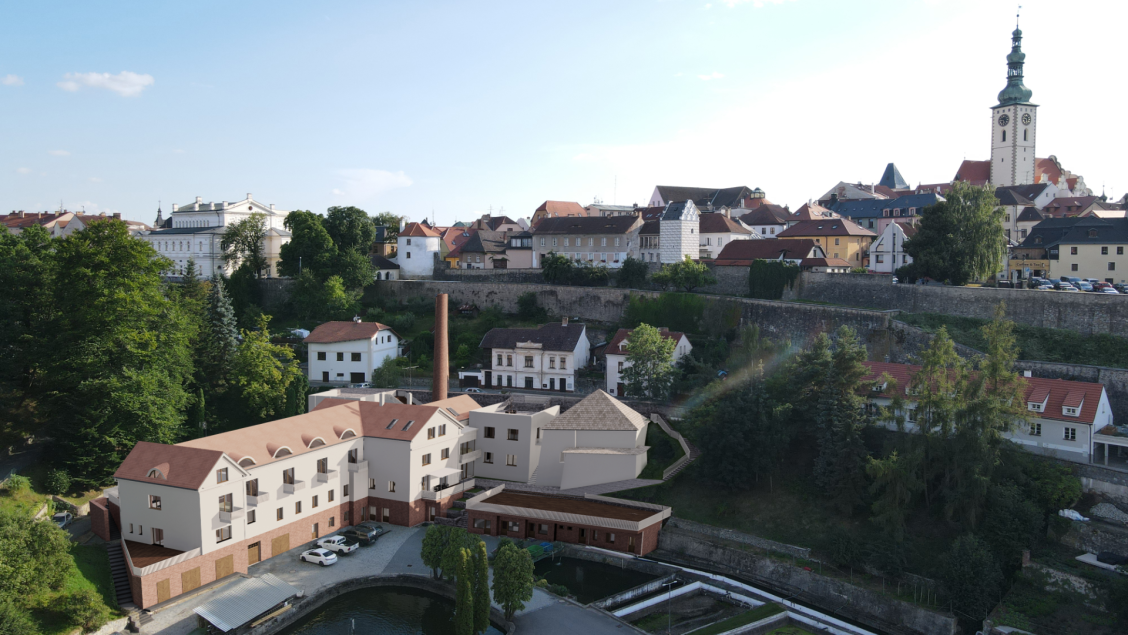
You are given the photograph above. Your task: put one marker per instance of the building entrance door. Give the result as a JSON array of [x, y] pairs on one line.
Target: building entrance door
[[619, 389], [631, 544], [583, 536], [356, 378], [254, 553], [531, 530], [489, 378], [552, 383]]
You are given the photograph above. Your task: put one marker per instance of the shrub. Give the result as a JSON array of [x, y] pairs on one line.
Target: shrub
[[767, 279], [18, 483], [57, 482], [528, 310], [633, 273], [87, 609], [14, 621], [559, 589]]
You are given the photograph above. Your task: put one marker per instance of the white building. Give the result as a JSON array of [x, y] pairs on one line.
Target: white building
[[715, 230], [598, 440], [544, 358], [416, 248], [766, 220], [509, 439], [196, 230], [677, 232], [617, 356], [342, 352], [887, 253]]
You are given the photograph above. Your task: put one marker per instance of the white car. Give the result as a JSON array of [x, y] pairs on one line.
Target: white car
[[338, 544], [1110, 291], [62, 519], [323, 557], [474, 390]]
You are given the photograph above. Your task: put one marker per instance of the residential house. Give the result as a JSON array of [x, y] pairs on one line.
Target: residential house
[[877, 214], [602, 209], [715, 230], [509, 439], [767, 220], [558, 209], [416, 248], [383, 268], [598, 521], [195, 231], [616, 354], [650, 241], [793, 252], [839, 237], [485, 249], [811, 211], [452, 238], [887, 253], [64, 223], [1064, 415], [852, 192], [349, 351], [1075, 206], [519, 250], [708, 199], [544, 358], [497, 224], [825, 265], [591, 240], [1081, 246], [598, 440]]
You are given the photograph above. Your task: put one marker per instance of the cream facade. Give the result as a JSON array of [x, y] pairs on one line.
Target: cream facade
[[509, 439]]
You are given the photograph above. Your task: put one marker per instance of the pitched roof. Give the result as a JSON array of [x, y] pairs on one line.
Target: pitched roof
[[678, 210], [587, 225], [851, 192], [974, 172], [807, 263], [705, 197], [622, 334], [1007, 196], [651, 213], [1030, 191], [458, 406], [485, 241], [743, 252], [381, 263], [909, 229], [553, 336], [598, 411], [651, 228], [15, 221], [892, 179], [766, 214], [717, 223], [182, 466], [875, 208], [1077, 230], [417, 229], [826, 227], [345, 332], [812, 211], [562, 208], [1030, 214]]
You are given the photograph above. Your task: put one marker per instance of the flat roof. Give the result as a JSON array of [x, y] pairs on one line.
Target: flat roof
[[579, 506], [144, 555]]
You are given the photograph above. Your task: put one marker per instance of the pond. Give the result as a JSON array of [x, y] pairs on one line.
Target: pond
[[383, 611], [590, 581]]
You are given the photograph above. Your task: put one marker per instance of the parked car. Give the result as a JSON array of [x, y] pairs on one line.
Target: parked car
[[1073, 280], [1068, 288], [1061, 284], [366, 532], [1100, 284], [1084, 286], [1092, 281], [339, 545], [1046, 286], [62, 519], [361, 385], [1109, 290], [323, 557], [474, 390]]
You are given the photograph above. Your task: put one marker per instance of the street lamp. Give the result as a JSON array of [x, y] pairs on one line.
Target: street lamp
[[669, 605]]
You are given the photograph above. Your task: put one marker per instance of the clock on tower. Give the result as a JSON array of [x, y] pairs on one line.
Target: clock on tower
[[1014, 120]]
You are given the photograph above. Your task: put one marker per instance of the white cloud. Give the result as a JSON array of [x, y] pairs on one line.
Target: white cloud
[[125, 83], [713, 75], [23, 170], [11, 80], [364, 184], [59, 153]]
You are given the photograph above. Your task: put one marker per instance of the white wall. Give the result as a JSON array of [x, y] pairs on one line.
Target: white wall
[[554, 442], [415, 256], [581, 469], [614, 376], [373, 352], [527, 448]]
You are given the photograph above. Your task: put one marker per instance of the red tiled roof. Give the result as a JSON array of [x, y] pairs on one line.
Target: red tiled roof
[[909, 229], [974, 172], [562, 208], [182, 466], [813, 211], [417, 229], [15, 221], [1074, 399], [622, 334], [345, 332], [742, 252], [825, 227], [717, 223]]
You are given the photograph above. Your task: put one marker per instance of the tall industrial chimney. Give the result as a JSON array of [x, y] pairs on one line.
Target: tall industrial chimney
[[442, 365]]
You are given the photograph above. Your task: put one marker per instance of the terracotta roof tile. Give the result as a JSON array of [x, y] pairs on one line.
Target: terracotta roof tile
[[825, 227], [183, 466], [418, 229], [743, 252], [345, 332]]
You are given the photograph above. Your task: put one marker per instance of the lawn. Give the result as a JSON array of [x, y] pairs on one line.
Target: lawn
[[91, 571], [736, 621], [664, 450]]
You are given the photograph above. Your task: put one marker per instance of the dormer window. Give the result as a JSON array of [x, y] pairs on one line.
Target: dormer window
[[154, 473], [879, 387], [1092, 233], [1070, 412]]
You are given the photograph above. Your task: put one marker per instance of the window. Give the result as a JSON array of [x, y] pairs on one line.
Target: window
[[1119, 251], [835, 241], [513, 526], [528, 361], [552, 362], [391, 486], [880, 259], [591, 242], [322, 466], [445, 453], [354, 456], [356, 357], [332, 521], [409, 254], [346, 516], [223, 533], [333, 493], [252, 487], [1072, 412], [426, 459], [616, 241], [371, 483], [340, 357], [1070, 434], [430, 433], [482, 523], [1104, 251], [508, 360], [442, 430], [512, 434], [563, 363], [155, 502], [1112, 266], [1072, 251], [499, 359], [542, 529], [511, 460], [408, 241], [298, 507], [488, 458], [225, 503], [910, 415], [489, 432], [542, 241], [602, 242], [566, 242], [320, 356], [610, 537], [279, 515], [251, 517], [313, 503], [1004, 135], [221, 475], [1073, 267], [620, 367]]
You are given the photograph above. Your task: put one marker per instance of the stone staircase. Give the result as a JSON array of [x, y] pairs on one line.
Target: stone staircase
[[533, 478], [119, 570], [693, 454], [691, 451]]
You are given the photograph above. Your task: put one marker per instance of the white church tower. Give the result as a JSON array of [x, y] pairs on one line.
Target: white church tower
[[677, 232], [1013, 125]]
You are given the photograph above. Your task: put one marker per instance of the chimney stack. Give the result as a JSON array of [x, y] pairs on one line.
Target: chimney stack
[[564, 321], [442, 364]]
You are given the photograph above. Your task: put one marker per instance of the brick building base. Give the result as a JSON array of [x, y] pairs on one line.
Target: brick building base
[[637, 542], [100, 518]]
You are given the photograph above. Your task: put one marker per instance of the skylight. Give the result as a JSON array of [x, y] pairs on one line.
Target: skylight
[[392, 424], [407, 425]]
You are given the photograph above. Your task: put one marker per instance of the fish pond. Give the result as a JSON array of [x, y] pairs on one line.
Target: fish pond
[[589, 581], [383, 611]]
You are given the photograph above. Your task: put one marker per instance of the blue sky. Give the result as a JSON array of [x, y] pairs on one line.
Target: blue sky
[[458, 107]]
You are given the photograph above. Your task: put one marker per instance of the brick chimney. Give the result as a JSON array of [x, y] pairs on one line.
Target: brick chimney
[[442, 363]]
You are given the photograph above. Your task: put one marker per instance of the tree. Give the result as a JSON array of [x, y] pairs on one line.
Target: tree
[[972, 580], [457, 539], [310, 246], [297, 396], [263, 371], [87, 609], [350, 228], [219, 342], [464, 594], [481, 588], [337, 300], [649, 371], [192, 288], [556, 269], [120, 354], [686, 274], [528, 310], [768, 278], [434, 544], [513, 579], [242, 244], [199, 418], [391, 223], [959, 239], [14, 620], [388, 375], [633, 273], [895, 485], [840, 465], [34, 556], [353, 268], [1011, 524]]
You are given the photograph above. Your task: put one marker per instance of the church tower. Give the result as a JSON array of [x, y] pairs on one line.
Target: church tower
[[1013, 125]]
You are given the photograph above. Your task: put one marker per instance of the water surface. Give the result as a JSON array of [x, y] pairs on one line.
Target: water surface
[[590, 581], [383, 611]]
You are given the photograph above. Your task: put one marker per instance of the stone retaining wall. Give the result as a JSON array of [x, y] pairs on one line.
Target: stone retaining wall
[[1095, 537], [740, 537]]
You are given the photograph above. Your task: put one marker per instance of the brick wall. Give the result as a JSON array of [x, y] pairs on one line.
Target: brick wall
[[100, 518], [645, 541]]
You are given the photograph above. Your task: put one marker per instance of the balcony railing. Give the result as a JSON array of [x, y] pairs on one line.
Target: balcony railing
[[236, 512], [325, 477], [259, 499], [450, 490], [290, 488], [472, 455], [358, 466]]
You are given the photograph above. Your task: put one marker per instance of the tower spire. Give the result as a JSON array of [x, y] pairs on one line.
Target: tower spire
[[1015, 92]]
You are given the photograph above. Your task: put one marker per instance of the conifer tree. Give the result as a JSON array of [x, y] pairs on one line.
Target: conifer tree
[[220, 341], [840, 466], [481, 588], [464, 599]]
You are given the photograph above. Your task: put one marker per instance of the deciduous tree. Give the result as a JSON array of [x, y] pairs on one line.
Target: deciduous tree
[[650, 369], [513, 579], [687, 275], [350, 228], [960, 239], [263, 371], [434, 544], [243, 243], [972, 580], [310, 246], [633, 274]]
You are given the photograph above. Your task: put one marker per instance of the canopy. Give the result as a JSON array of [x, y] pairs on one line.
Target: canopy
[[244, 601]]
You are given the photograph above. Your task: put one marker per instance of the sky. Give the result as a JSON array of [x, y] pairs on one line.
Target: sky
[[451, 109]]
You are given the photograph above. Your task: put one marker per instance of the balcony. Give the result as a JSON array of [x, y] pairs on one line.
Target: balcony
[[255, 501], [450, 490], [325, 477], [359, 466], [472, 455], [296, 486], [235, 513]]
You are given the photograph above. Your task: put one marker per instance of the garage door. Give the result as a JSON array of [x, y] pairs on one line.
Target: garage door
[[224, 567], [280, 545], [163, 592], [190, 580], [254, 553]]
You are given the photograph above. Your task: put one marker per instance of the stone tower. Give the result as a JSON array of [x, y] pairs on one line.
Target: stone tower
[[1014, 124]]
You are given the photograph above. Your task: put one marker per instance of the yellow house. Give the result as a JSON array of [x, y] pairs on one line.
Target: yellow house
[[838, 237], [1078, 246]]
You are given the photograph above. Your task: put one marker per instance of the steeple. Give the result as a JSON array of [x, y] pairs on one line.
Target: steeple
[[160, 218], [1015, 92]]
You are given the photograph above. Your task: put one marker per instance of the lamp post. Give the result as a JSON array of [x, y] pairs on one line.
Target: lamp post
[[669, 605]]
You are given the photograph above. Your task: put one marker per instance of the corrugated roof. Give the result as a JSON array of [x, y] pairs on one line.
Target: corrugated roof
[[244, 601]]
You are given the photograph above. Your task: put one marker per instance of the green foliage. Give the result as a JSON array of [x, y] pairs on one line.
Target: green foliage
[[34, 557], [677, 311], [18, 483], [297, 396], [650, 369], [86, 609], [464, 594], [513, 579], [528, 310], [481, 566], [457, 539], [1012, 523], [350, 228], [14, 620], [58, 482], [246, 295], [390, 222], [960, 239], [687, 275], [839, 467], [895, 485], [768, 278], [633, 273], [742, 619], [263, 371], [310, 247], [556, 269], [434, 544], [972, 580], [243, 244], [388, 375]]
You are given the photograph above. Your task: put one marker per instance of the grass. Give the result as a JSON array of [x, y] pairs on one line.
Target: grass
[[91, 571], [1035, 343], [664, 451], [1029, 606], [736, 621]]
